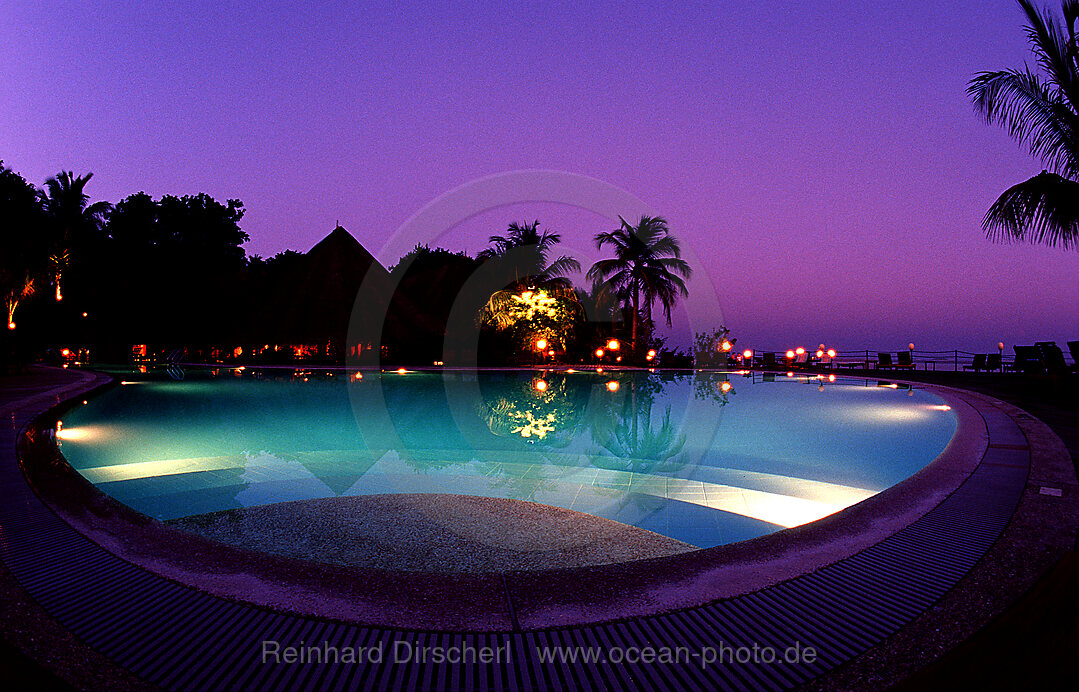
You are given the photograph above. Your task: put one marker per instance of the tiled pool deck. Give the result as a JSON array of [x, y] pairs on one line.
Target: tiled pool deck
[[839, 586]]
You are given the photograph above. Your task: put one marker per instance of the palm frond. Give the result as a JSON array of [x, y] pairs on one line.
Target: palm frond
[[1044, 209], [1053, 49], [616, 238], [605, 268], [562, 266], [496, 311], [1034, 114]]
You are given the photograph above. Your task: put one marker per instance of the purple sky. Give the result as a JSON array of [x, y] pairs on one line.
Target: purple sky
[[821, 158]]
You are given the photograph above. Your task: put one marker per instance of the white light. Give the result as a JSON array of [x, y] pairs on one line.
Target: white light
[[72, 434]]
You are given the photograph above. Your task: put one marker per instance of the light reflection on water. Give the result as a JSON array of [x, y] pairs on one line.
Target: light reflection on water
[[707, 458]]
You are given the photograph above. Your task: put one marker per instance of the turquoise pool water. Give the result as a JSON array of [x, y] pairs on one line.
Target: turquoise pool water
[[707, 458]]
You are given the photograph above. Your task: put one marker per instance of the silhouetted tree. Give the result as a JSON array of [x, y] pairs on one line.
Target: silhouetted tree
[[527, 251], [170, 270], [23, 253], [647, 266], [1041, 112], [538, 300], [72, 220], [428, 287]]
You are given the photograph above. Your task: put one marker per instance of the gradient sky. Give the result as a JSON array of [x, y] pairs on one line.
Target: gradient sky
[[821, 158]]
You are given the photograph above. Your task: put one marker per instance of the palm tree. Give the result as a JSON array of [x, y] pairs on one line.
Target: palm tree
[[527, 250], [14, 287], [537, 291], [647, 265], [1041, 112], [67, 206]]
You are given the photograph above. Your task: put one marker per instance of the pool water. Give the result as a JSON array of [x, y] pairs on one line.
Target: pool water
[[703, 457]]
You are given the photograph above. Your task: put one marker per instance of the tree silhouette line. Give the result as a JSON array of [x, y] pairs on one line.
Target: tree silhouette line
[[171, 273]]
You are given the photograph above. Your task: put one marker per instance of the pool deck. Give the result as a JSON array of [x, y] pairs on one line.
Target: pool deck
[[920, 566]]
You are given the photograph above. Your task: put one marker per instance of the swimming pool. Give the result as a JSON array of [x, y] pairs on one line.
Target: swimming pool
[[703, 457]]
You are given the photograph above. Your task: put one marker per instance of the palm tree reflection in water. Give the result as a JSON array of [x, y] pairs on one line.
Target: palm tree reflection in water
[[545, 419], [642, 450], [635, 443]]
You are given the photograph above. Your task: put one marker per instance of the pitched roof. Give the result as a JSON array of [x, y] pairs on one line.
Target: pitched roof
[[322, 295]]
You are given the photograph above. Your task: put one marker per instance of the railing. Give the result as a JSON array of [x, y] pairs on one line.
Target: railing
[[954, 360]]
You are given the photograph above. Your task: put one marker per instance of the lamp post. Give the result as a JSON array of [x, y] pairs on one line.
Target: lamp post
[[1000, 347]]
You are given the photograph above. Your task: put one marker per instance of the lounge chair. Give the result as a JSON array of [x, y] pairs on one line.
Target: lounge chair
[[980, 363], [1052, 357], [1073, 346], [801, 361], [770, 360], [884, 361], [905, 360], [1028, 360], [992, 362]]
